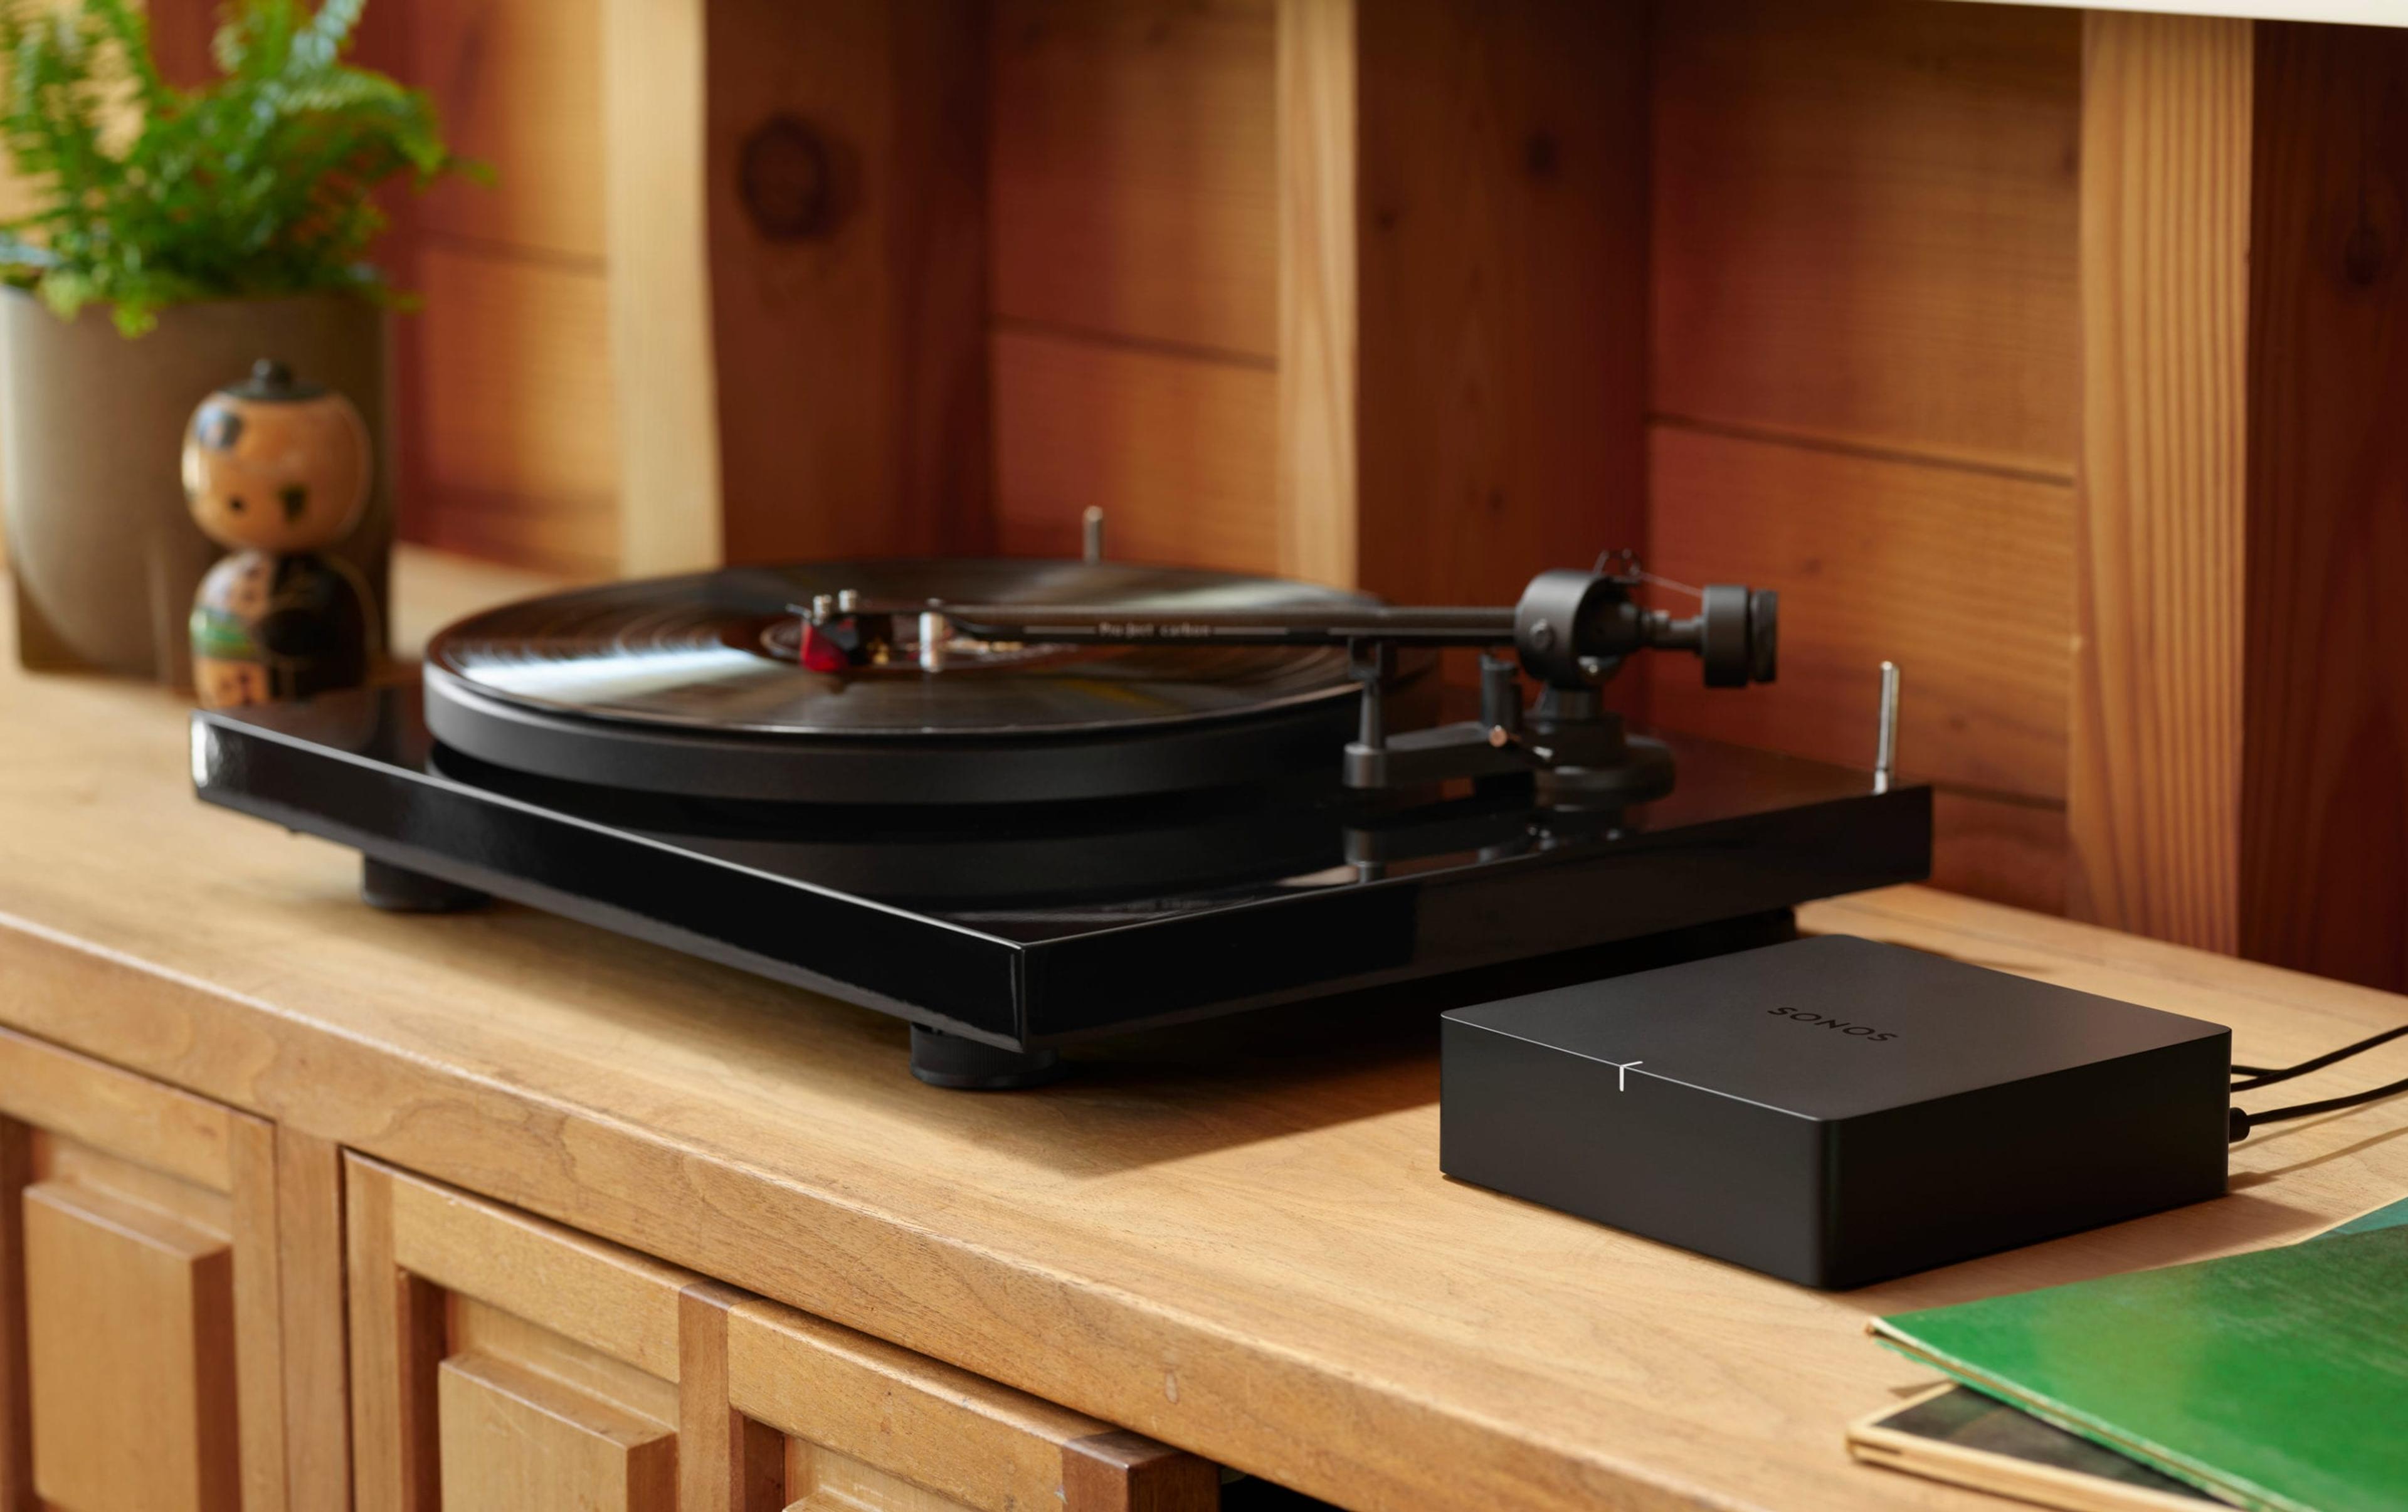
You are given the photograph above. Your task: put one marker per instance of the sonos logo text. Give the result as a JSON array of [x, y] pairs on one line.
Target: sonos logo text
[[1862, 1031]]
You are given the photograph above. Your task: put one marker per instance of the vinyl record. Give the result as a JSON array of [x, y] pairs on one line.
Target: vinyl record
[[717, 651], [692, 685]]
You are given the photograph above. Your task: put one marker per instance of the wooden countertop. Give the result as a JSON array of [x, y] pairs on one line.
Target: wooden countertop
[[1235, 1238]]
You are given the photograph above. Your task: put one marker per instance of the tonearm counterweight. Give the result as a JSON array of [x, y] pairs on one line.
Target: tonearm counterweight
[[1571, 633]]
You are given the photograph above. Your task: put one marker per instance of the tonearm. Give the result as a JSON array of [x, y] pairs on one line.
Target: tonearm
[[1571, 633]]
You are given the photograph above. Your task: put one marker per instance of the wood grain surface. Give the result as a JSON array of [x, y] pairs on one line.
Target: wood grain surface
[[656, 224], [2324, 827], [851, 354], [1320, 295], [1176, 451], [158, 1295], [519, 83], [130, 1337], [512, 421], [505, 444], [601, 1295], [396, 1338], [724, 1459], [2154, 780], [259, 1405], [1133, 283], [1234, 1238], [1962, 578], [316, 1356], [1502, 213], [517, 1441], [970, 1442], [1863, 388], [16, 1389], [565, 1362], [1864, 225], [1130, 164]]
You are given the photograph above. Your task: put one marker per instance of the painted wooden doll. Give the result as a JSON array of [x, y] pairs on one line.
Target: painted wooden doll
[[277, 469]]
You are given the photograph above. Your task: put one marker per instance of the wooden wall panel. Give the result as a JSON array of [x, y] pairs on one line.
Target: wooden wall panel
[[851, 359], [1130, 164], [1318, 101], [511, 428], [521, 86], [503, 405], [656, 217], [2323, 862], [2154, 786], [1962, 578], [1503, 298], [1864, 389], [1177, 452], [1864, 225], [1133, 276], [2008, 848]]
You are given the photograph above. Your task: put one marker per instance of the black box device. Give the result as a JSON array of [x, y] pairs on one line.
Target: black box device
[[1835, 1111]]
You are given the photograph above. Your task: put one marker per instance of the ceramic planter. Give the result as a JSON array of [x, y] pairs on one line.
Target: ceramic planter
[[105, 555]]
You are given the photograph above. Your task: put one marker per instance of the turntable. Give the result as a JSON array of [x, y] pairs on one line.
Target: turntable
[[1022, 804]]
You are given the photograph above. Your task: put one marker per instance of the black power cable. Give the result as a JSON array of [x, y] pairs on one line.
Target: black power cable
[[2268, 1075], [2241, 1121]]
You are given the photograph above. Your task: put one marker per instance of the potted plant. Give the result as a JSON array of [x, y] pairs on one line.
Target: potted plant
[[178, 236]]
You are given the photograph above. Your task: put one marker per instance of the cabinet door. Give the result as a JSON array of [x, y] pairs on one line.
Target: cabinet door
[[140, 1329], [503, 1362], [858, 1423]]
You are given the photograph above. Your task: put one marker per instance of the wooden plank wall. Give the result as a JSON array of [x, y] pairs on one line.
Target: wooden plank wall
[[2154, 768], [1864, 388], [852, 410], [2323, 785], [1133, 286], [1503, 210], [505, 398]]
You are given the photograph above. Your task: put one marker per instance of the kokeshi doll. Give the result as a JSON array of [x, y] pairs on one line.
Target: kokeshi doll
[[277, 469]]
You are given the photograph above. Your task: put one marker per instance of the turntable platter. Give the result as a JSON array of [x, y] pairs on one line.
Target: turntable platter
[[692, 685]]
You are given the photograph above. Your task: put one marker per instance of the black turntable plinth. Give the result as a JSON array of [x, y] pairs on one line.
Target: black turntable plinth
[[1137, 839]]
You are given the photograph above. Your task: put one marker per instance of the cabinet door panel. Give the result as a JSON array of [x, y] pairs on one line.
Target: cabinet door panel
[[502, 1361], [515, 1441], [822, 1480], [610, 1299], [855, 1409], [141, 1320], [131, 1342]]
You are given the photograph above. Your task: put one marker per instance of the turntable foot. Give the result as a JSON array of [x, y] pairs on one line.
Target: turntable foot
[[399, 890], [943, 1059]]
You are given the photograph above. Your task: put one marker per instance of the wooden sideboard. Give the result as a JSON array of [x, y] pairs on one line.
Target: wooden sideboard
[[302, 1198]]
